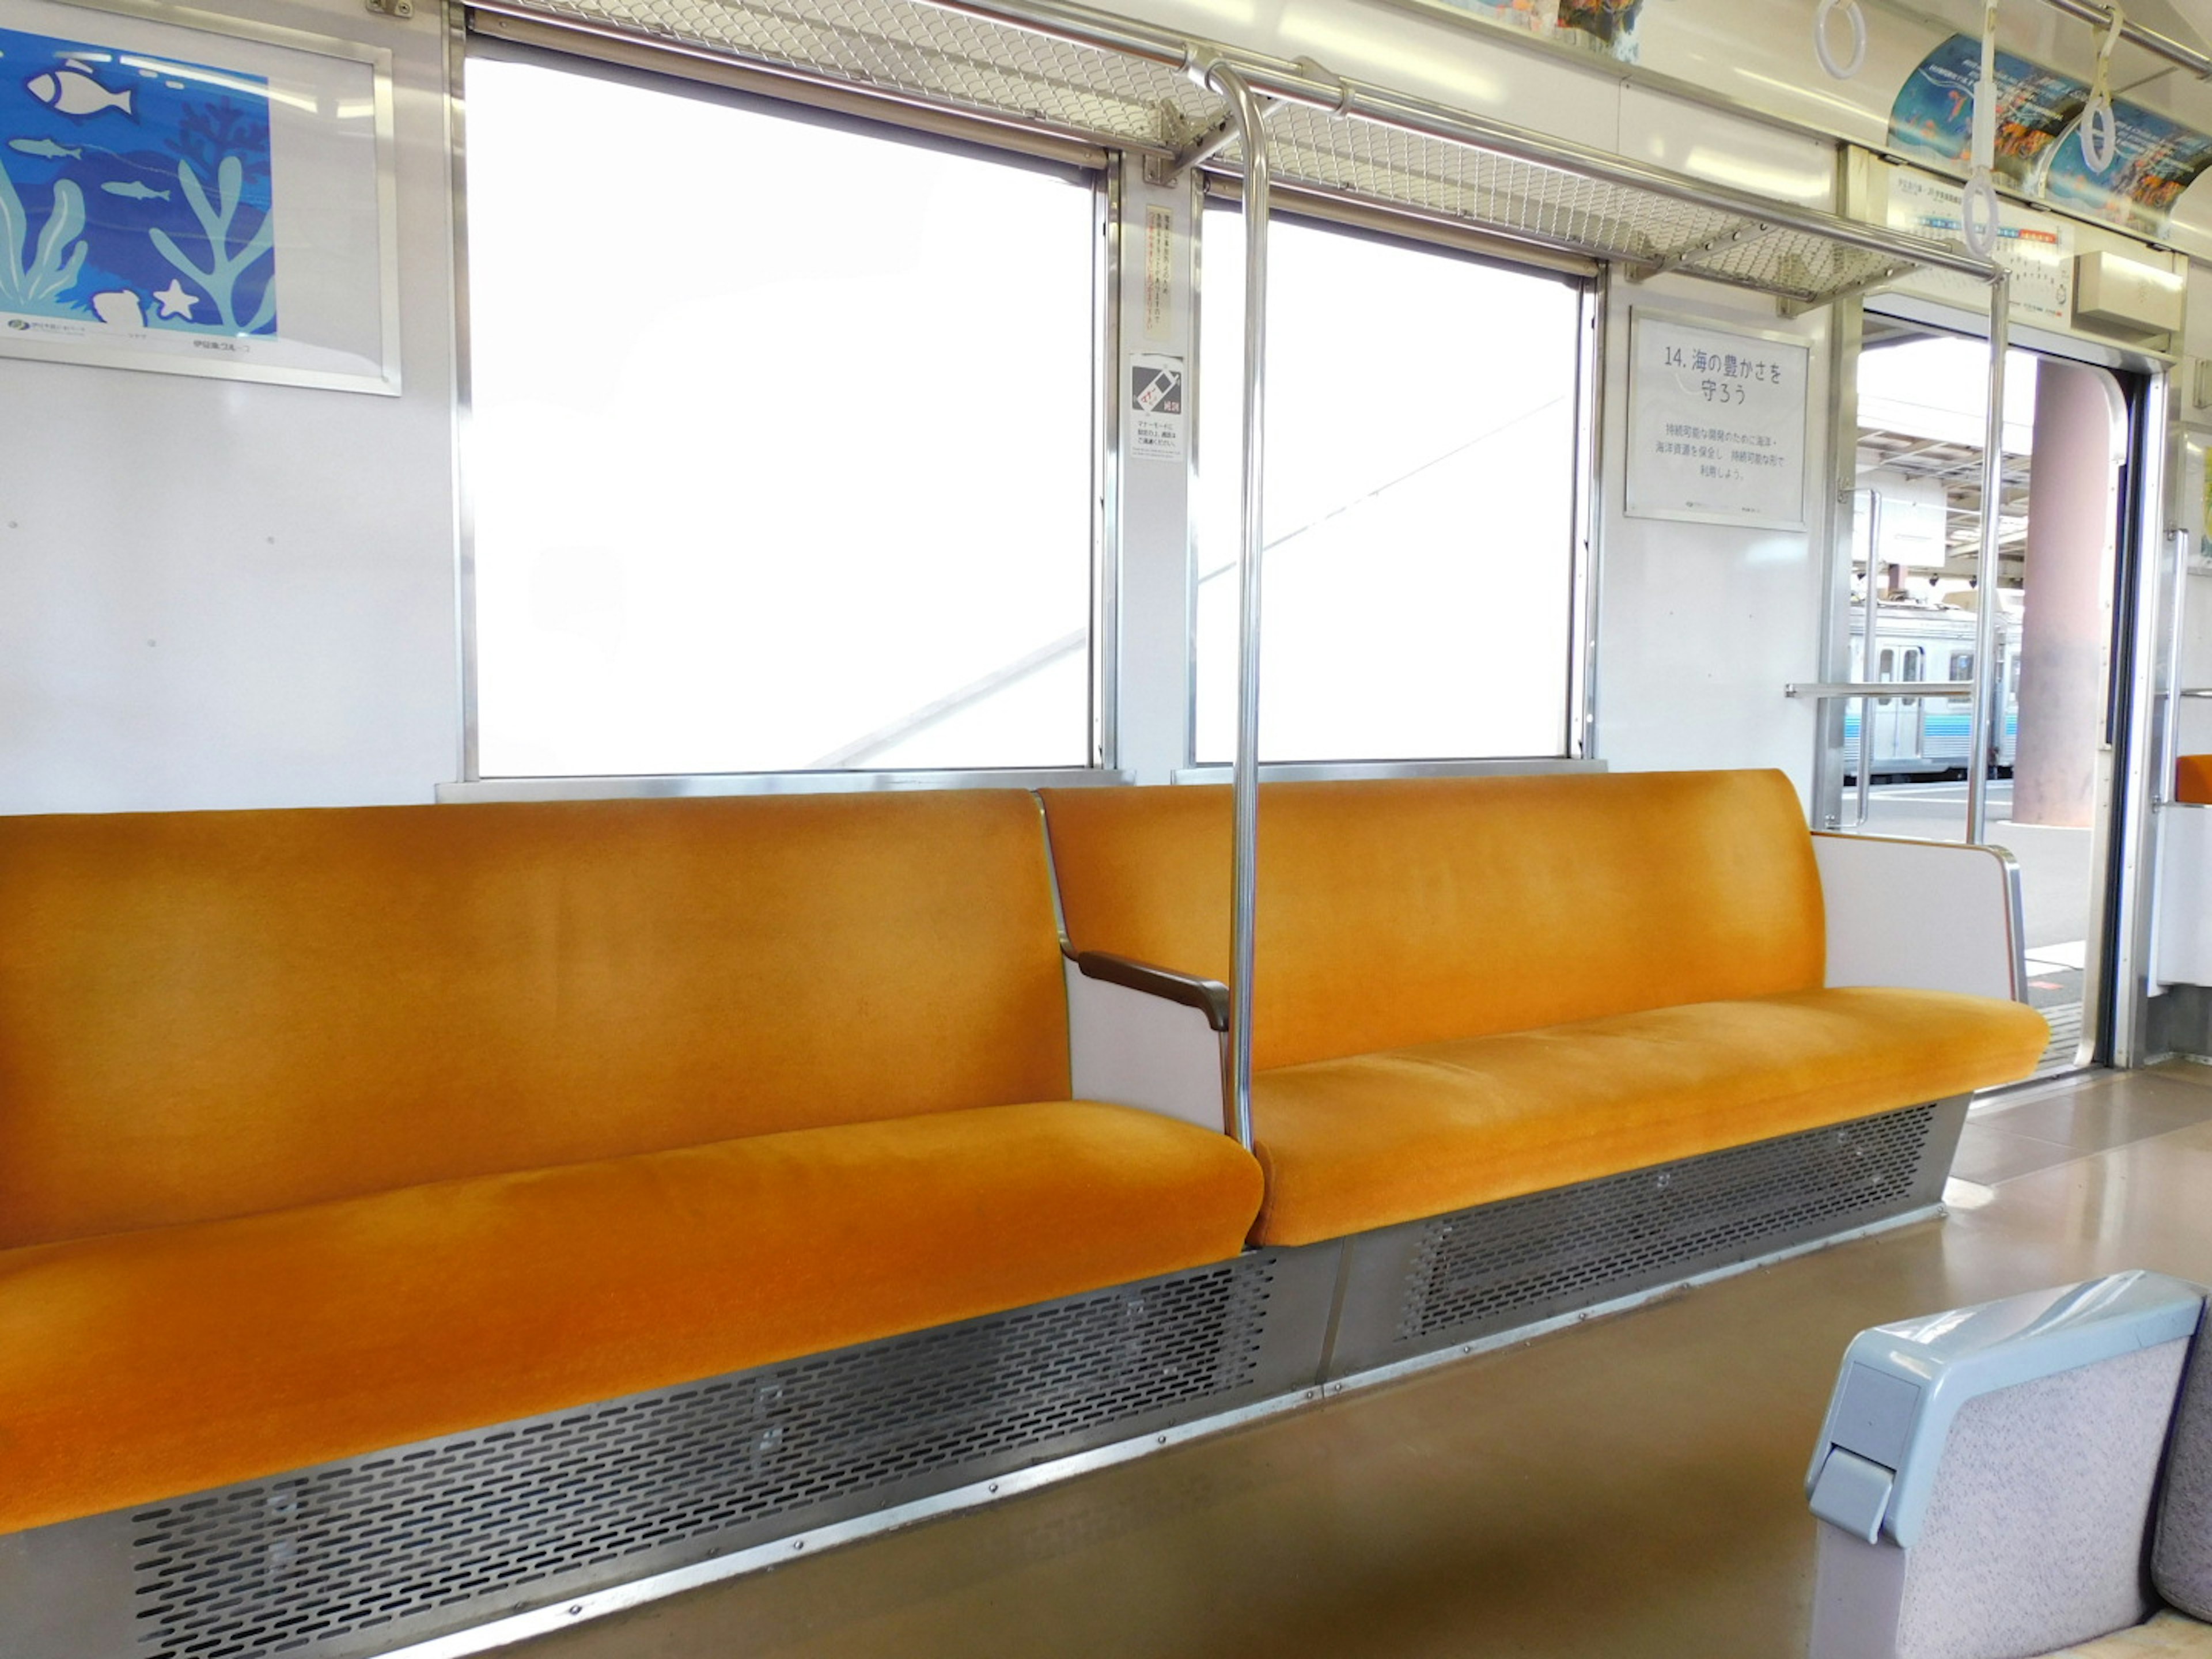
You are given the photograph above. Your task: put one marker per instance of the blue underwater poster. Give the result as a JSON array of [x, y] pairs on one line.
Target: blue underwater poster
[[2039, 145], [135, 191]]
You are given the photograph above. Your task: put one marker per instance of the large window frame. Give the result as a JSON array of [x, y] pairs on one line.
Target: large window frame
[[1119, 216], [1394, 226], [877, 121]]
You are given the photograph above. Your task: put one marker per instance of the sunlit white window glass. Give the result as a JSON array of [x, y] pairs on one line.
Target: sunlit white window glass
[[1421, 455], [781, 433]]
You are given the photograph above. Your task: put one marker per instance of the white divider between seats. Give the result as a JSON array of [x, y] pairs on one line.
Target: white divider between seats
[[2184, 895], [1922, 915], [1131, 1049]]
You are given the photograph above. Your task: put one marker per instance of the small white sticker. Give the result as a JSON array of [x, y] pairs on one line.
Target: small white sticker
[[1159, 273], [1155, 406]]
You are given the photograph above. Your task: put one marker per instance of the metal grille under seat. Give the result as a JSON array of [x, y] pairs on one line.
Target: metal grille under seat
[[372, 1553], [1497, 1266], [369, 1553]]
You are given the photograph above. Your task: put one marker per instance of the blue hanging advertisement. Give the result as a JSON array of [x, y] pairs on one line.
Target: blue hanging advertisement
[[1609, 27], [223, 210], [2039, 141]]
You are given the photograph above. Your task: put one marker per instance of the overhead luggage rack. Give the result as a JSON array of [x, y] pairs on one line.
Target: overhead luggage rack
[[1085, 75]]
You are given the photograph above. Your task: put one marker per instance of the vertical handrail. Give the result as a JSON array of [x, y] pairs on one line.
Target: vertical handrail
[[2169, 736], [1867, 661], [1987, 565], [1248, 119], [2169, 760]]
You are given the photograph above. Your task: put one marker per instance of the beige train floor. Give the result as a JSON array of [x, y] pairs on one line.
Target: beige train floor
[[1630, 1488]]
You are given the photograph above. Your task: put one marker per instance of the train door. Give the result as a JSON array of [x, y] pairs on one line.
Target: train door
[[1897, 722], [2056, 741]]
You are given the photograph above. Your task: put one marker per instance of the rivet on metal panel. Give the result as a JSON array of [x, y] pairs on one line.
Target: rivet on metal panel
[[399, 9]]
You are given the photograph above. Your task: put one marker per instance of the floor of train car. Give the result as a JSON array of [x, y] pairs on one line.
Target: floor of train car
[[1629, 1486]]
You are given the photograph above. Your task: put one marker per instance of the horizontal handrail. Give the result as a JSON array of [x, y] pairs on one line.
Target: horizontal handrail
[[1823, 691]]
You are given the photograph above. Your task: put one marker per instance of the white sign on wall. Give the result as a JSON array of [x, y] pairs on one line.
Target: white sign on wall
[[1716, 422]]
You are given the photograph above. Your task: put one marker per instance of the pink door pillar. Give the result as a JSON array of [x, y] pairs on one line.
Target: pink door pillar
[[2066, 621]]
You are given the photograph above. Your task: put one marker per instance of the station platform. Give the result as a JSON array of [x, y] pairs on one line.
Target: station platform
[[1631, 1485]]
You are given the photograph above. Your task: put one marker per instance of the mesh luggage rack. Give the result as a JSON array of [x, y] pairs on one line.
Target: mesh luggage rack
[[1081, 74]]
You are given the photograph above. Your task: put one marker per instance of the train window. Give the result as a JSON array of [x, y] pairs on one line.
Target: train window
[[1419, 575], [781, 445], [1962, 666]]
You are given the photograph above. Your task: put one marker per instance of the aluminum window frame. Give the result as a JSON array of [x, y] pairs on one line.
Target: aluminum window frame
[[711, 81], [1424, 234]]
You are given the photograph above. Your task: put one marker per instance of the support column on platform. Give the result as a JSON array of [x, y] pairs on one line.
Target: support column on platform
[[2067, 623]]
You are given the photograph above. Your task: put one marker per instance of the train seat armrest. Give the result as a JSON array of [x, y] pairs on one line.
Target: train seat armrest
[[1902, 1386], [1922, 915], [1209, 996], [1142, 1036]]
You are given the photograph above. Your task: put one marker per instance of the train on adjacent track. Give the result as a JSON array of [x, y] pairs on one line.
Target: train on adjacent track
[[1916, 739]]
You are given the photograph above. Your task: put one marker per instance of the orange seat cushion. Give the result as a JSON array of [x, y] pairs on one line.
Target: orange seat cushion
[[147, 1364], [2192, 779], [1368, 1141], [1416, 910], [211, 1014]]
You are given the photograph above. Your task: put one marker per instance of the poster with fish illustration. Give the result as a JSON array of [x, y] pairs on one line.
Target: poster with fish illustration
[[154, 177], [222, 209], [2039, 146]]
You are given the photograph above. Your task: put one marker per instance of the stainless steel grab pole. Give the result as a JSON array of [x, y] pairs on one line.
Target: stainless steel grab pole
[[1251, 525], [1988, 565], [2176, 619], [2151, 41], [1867, 671]]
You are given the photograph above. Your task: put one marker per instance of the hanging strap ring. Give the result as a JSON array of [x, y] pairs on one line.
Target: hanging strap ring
[[1979, 224], [2100, 132], [1842, 69], [2101, 122]]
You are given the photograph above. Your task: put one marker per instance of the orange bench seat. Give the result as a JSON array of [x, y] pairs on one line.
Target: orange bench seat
[[1371, 1139], [1470, 988], [2192, 779], [323, 1131], [142, 1364]]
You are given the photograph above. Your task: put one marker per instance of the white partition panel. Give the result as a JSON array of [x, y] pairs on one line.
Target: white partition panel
[[2183, 922], [1922, 915], [1131, 1049]]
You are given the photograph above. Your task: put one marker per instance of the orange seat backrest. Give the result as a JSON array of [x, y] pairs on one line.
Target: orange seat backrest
[[1416, 910], [207, 1014], [2192, 779]]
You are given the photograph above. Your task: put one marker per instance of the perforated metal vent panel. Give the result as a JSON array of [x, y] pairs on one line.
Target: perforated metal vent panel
[[1513, 1261], [300, 1563]]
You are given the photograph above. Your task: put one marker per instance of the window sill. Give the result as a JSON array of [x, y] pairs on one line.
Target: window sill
[[768, 783]]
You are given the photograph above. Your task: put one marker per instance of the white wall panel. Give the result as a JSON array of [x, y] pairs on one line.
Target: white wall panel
[[1153, 602], [1700, 626], [221, 594], [1735, 151]]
